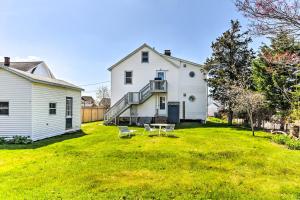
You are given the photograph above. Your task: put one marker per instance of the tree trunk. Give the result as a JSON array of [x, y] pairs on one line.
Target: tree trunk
[[282, 123], [252, 125], [230, 117]]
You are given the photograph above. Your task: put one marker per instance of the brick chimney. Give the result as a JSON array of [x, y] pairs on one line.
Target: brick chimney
[[6, 61], [168, 52]]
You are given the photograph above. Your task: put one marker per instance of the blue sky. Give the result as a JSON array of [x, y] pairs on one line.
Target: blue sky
[[80, 39]]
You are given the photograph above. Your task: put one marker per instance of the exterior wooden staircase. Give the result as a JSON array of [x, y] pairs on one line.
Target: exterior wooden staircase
[[134, 98]]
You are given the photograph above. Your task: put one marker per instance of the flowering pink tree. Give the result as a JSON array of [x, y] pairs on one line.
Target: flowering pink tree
[[269, 17]]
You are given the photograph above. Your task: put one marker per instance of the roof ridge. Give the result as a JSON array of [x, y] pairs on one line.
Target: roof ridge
[[181, 59], [41, 79]]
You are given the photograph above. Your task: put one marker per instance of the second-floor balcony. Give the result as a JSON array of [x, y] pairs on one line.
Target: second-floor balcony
[[158, 85]]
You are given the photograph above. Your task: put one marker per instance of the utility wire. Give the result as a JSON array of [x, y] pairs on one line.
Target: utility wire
[[95, 83]]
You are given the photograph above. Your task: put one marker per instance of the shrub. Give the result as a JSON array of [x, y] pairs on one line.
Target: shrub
[[281, 139], [293, 144], [2, 140], [286, 140], [19, 140]]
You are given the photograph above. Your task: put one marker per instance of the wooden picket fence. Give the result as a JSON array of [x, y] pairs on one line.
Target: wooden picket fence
[[92, 114]]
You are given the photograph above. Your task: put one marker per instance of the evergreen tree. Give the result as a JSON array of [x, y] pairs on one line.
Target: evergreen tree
[[229, 65], [273, 73]]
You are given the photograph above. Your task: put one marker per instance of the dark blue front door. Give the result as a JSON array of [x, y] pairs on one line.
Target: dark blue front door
[[173, 112]]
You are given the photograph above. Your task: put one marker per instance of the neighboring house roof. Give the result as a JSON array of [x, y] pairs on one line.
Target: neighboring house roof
[[27, 66], [40, 79], [105, 101], [138, 49], [88, 98]]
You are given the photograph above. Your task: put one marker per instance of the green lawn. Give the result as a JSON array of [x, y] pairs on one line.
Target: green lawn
[[211, 161]]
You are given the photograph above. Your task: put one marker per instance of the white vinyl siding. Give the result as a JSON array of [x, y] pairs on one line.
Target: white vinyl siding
[[16, 91], [179, 83], [45, 125]]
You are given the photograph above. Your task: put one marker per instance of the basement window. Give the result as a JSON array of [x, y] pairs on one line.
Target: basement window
[[52, 108], [4, 108]]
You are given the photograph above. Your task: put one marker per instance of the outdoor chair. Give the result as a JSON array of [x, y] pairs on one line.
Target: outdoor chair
[[124, 131], [169, 128], [148, 128]]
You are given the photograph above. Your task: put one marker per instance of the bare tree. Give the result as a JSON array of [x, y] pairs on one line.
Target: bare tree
[[270, 17], [103, 92], [250, 102]]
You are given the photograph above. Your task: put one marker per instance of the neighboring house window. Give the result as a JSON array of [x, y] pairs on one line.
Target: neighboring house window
[[52, 108], [128, 77], [4, 108], [192, 74], [145, 56], [162, 103]]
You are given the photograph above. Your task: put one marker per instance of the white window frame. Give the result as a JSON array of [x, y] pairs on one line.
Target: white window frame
[[142, 57], [52, 108], [125, 78], [69, 108], [165, 102], [5, 108]]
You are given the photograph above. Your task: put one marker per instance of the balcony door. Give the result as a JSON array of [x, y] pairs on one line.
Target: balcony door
[[161, 75]]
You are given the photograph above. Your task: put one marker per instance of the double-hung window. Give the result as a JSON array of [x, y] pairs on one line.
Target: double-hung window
[[52, 108], [4, 108], [145, 56], [162, 103], [128, 77]]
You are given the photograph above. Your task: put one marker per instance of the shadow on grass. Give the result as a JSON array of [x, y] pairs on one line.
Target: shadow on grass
[[209, 124], [44, 142], [163, 135], [127, 136]]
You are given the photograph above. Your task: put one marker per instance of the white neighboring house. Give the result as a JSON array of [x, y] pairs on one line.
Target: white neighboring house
[[33, 103], [157, 87], [213, 107]]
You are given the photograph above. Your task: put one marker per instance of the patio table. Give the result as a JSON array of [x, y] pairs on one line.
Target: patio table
[[160, 126]]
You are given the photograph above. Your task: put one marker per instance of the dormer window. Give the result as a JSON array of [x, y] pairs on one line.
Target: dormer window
[[145, 56]]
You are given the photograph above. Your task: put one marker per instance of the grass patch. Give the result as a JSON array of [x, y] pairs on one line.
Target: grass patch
[[209, 161]]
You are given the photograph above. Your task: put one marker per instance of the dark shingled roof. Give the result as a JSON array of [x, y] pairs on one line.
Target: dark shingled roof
[[88, 98], [23, 66]]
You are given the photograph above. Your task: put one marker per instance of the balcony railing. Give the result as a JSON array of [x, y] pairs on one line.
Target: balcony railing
[[158, 85], [131, 98]]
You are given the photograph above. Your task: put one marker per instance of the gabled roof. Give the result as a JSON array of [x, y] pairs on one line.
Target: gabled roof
[[181, 60], [138, 49], [106, 101], [23, 66], [40, 79], [88, 98], [29, 66]]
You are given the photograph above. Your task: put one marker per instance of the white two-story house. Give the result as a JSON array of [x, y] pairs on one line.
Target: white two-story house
[[148, 86]]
